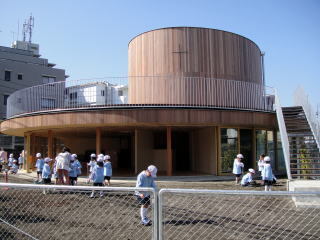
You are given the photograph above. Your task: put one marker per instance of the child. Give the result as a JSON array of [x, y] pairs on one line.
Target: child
[[97, 177], [267, 175], [39, 166], [107, 170], [145, 179], [247, 179], [91, 164], [238, 167], [77, 163], [261, 163], [20, 161], [46, 173], [14, 167], [55, 173], [73, 171], [10, 160]]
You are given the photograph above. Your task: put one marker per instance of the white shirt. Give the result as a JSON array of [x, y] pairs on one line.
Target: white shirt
[[246, 179], [237, 166], [267, 172]]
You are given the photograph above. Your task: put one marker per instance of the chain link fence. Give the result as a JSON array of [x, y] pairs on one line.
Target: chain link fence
[[65, 212], [30, 211], [199, 214]]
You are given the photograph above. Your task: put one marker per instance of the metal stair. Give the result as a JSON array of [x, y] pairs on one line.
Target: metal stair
[[304, 152]]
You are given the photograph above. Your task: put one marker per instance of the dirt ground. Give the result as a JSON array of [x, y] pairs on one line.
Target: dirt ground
[[115, 215]]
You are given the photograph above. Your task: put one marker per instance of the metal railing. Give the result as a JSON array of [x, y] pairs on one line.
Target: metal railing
[[283, 134], [301, 99], [154, 92], [67, 212], [29, 211]]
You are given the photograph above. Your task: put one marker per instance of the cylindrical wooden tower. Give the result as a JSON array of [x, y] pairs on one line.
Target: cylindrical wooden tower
[[161, 59]]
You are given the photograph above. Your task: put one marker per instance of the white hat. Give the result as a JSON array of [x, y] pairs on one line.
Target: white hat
[[100, 159], [14, 160], [267, 159], [153, 170], [47, 159], [93, 155], [239, 155], [106, 157], [74, 156], [38, 155], [252, 170], [11, 155]]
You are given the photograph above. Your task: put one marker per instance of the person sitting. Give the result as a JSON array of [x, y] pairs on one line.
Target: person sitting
[[247, 179]]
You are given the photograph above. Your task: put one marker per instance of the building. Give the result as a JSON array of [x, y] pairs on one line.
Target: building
[[196, 98], [21, 67]]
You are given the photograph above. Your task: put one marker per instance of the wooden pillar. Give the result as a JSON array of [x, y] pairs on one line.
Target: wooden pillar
[[136, 151], [169, 152], [27, 156], [50, 144], [98, 140]]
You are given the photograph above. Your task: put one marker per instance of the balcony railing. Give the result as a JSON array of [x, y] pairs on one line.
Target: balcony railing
[[154, 92]]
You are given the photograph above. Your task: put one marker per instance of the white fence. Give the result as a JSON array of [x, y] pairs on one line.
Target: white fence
[[68, 212], [114, 92]]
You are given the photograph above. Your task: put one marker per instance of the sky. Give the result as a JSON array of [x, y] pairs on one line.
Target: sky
[[89, 39]]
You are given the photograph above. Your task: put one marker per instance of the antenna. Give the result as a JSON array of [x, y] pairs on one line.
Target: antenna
[[27, 28]]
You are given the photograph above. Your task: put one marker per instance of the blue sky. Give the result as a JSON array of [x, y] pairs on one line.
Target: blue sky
[[90, 38]]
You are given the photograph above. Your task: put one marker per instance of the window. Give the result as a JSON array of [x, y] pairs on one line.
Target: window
[[48, 79], [120, 93], [102, 92], [5, 99], [229, 148], [19, 76], [73, 95], [7, 75], [48, 103]]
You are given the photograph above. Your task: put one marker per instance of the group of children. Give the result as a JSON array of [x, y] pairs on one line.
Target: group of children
[[100, 170], [13, 164], [264, 167]]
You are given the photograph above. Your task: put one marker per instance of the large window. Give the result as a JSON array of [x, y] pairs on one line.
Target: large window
[[261, 137], [229, 148], [48, 79], [280, 164]]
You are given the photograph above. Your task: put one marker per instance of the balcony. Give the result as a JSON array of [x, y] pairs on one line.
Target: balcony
[[140, 92]]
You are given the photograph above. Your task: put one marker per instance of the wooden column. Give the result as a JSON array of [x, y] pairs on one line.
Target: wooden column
[[27, 154], [98, 140], [50, 144], [136, 151], [169, 152]]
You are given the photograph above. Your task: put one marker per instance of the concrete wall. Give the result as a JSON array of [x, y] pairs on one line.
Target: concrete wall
[[204, 153]]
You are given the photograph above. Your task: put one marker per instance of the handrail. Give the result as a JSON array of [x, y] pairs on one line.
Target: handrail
[[301, 99], [283, 134], [142, 91]]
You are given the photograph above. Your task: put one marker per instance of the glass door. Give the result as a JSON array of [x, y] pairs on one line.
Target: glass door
[[246, 148]]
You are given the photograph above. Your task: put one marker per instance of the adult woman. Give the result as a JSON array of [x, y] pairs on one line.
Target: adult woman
[[63, 165]]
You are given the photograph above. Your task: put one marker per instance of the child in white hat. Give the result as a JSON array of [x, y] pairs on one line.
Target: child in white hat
[[91, 164], [97, 176], [145, 179], [77, 163], [46, 173], [107, 170], [39, 166], [238, 167], [10, 160], [247, 179], [267, 174], [14, 167]]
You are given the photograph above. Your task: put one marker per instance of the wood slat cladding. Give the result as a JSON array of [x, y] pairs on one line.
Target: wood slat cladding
[[133, 118], [188, 52]]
